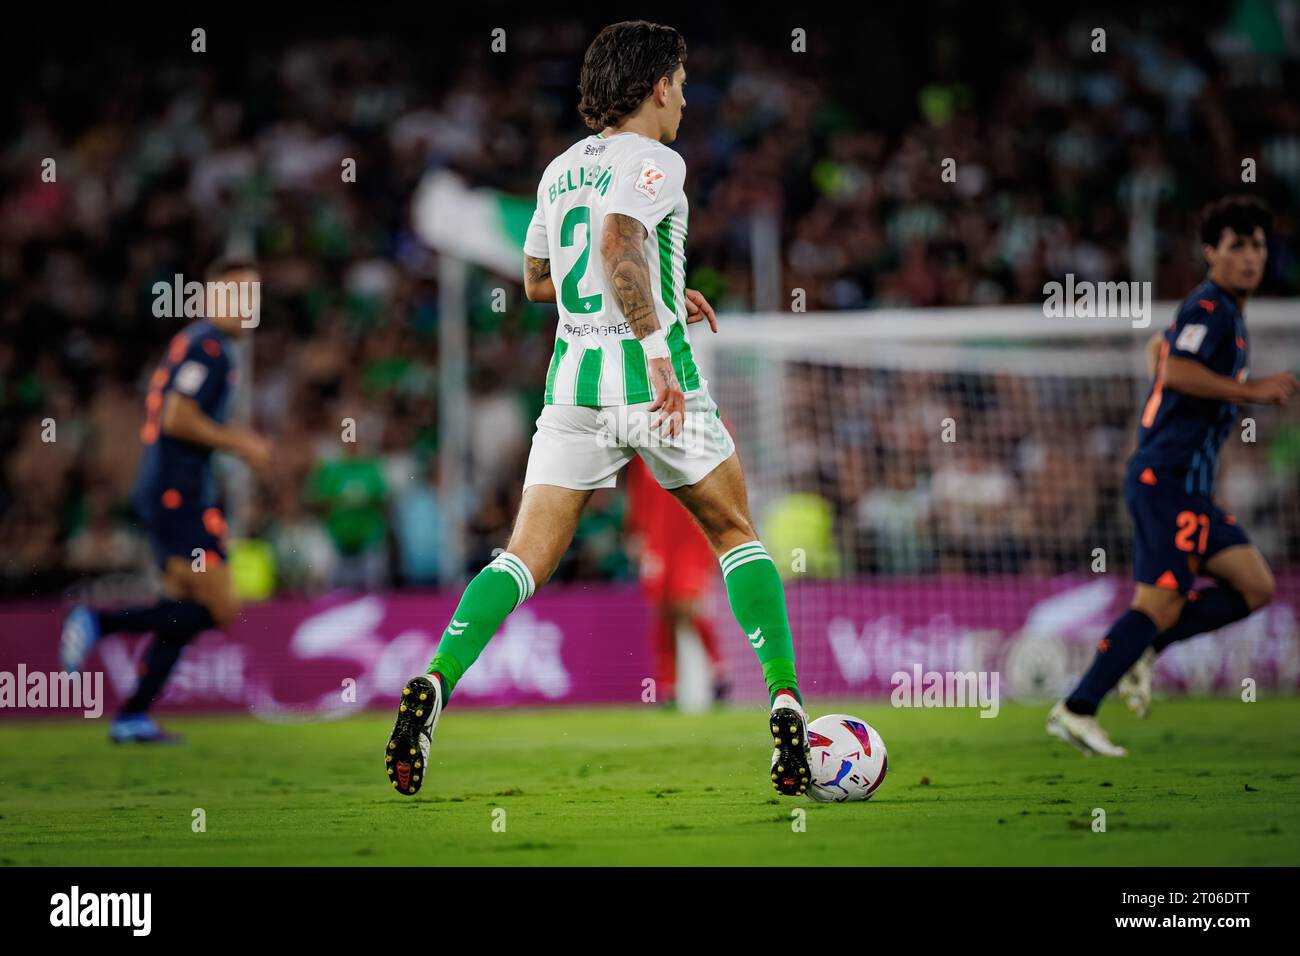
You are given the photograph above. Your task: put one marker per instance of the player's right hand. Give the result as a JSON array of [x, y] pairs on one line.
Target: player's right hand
[[670, 400], [256, 451], [1275, 389]]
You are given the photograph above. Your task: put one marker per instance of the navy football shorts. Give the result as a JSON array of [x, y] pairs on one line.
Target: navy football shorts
[[1175, 531], [177, 528]]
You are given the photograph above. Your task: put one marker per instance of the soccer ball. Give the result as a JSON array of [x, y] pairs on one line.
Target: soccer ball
[[848, 759]]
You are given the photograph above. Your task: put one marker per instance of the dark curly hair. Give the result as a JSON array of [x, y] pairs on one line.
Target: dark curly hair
[[621, 67], [1241, 214]]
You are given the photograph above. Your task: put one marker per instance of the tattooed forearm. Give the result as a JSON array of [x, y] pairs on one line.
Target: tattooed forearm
[[663, 376], [622, 252], [537, 280], [535, 270]]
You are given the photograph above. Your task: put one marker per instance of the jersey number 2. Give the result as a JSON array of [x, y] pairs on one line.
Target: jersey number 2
[[574, 302]]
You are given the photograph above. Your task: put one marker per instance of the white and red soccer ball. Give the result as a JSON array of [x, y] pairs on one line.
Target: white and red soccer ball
[[848, 759]]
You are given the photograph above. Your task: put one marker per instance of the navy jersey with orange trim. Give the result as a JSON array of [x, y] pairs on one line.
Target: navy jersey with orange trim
[[1182, 430], [199, 364]]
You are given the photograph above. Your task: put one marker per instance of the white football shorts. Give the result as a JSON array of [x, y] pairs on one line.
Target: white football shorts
[[584, 448]]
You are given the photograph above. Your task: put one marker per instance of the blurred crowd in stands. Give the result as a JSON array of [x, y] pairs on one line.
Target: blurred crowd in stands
[[1067, 160], [1027, 477]]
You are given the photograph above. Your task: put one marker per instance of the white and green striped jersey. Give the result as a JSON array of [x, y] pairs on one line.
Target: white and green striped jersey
[[598, 360]]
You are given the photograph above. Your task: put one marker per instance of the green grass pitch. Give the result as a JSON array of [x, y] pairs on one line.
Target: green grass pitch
[[1213, 782]]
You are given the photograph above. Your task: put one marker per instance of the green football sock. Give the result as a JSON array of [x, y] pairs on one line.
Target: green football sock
[[758, 602], [495, 591]]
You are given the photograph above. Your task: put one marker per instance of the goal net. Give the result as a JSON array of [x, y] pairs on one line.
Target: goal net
[[942, 489]]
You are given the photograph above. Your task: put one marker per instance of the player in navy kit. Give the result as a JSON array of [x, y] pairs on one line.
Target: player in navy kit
[[176, 499], [1201, 366]]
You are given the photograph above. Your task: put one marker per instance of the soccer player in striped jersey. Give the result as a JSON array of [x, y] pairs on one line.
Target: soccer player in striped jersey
[[607, 245], [1200, 365]]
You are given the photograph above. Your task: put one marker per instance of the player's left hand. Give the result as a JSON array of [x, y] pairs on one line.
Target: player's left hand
[[670, 400], [698, 308]]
